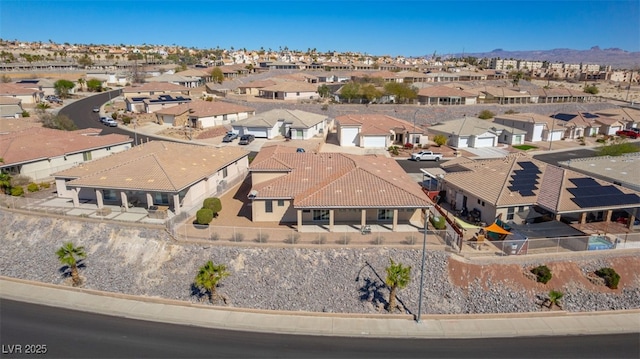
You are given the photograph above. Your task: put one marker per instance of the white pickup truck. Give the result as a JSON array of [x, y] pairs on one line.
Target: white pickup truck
[[426, 156]]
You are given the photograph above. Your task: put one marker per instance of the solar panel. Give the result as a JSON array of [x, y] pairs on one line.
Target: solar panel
[[528, 165], [527, 193], [594, 191], [606, 201], [584, 182], [522, 188]]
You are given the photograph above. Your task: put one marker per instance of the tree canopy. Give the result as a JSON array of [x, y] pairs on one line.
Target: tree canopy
[[403, 92], [217, 75], [62, 88], [94, 85]]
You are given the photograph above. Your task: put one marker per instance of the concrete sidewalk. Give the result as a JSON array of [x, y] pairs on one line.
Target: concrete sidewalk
[[349, 325]]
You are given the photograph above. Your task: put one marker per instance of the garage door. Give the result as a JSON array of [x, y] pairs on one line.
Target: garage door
[[484, 142], [374, 141], [463, 142], [348, 136], [259, 132]]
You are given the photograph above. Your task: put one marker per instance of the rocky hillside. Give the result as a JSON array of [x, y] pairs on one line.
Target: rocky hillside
[[147, 262]]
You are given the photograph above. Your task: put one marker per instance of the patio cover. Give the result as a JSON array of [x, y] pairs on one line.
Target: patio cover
[[464, 225], [495, 228]]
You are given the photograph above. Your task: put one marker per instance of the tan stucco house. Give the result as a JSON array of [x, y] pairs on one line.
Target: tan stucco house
[[158, 173], [325, 188]]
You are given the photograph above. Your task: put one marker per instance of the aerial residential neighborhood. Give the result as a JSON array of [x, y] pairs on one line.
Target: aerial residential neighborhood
[[305, 184]]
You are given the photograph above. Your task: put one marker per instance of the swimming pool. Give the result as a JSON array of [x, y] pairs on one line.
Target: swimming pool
[[597, 243]]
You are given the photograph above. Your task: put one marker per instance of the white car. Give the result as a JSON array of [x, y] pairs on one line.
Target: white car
[[111, 122], [96, 109]]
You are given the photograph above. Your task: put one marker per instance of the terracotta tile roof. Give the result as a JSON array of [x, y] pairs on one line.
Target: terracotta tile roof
[[297, 118], [443, 91], [292, 86], [468, 126], [375, 124], [548, 121], [40, 143], [497, 175], [154, 166], [258, 84], [8, 89], [503, 92], [334, 180], [200, 108], [625, 112], [9, 100], [155, 86]]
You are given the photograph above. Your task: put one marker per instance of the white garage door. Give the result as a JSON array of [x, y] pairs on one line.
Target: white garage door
[[463, 142], [484, 142], [374, 142], [256, 131], [348, 136]]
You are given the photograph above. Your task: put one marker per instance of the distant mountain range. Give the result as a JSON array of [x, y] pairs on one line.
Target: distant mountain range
[[616, 58]]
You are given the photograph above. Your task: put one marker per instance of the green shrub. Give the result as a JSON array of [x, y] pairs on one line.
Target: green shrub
[[543, 274], [440, 140], [204, 216], [237, 237], [486, 114], [292, 238], [213, 204], [126, 120], [44, 185], [438, 222], [32, 187], [611, 278], [17, 191]]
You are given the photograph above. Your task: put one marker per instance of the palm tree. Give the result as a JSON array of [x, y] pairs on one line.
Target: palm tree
[[209, 276], [554, 298], [71, 256], [398, 276], [81, 82]]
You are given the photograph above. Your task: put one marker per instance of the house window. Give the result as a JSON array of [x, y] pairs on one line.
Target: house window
[[109, 195], [268, 206], [86, 156], [521, 209], [299, 134], [224, 172], [161, 198], [510, 212], [281, 203], [385, 214], [320, 214]]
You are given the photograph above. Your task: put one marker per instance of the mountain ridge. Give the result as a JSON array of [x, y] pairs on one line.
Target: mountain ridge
[[615, 57]]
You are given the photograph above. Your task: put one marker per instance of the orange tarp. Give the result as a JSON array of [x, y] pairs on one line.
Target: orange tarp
[[495, 228]]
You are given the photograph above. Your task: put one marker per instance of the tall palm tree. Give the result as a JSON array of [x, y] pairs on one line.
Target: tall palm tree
[[398, 276], [209, 276], [71, 256]]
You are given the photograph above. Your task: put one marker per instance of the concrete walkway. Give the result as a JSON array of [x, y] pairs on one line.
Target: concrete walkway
[[356, 325]]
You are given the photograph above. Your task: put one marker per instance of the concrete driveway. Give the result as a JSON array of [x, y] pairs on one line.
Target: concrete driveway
[[487, 152]]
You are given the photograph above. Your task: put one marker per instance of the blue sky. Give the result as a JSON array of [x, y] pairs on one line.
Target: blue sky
[[409, 28]]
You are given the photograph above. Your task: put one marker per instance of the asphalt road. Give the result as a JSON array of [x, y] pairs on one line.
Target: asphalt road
[[81, 113], [72, 334]]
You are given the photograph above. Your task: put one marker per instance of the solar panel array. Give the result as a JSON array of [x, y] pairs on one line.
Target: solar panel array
[[525, 181], [589, 193]]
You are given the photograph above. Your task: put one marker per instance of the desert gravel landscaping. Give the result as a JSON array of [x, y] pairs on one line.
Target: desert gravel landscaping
[[148, 262]]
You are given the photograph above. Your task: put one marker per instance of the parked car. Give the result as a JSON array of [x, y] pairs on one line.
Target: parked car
[[111, 122], [246, 139], [628, 133], [104, 119], [635, 129], [426, 156], [53, 99], [96, 109], [229, 137]]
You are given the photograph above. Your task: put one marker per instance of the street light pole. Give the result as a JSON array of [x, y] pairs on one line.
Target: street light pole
[[553, 123], [424, 247]]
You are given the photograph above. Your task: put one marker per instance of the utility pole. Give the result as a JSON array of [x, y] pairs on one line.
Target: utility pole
[[424, 248]]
